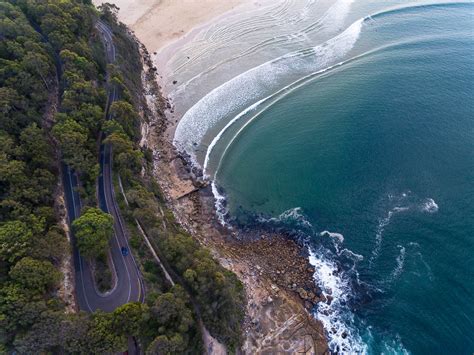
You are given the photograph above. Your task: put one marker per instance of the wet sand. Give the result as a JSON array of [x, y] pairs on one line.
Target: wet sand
[[158, 23]]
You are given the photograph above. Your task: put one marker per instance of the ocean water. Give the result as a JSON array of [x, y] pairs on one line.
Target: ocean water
[[350, 123]]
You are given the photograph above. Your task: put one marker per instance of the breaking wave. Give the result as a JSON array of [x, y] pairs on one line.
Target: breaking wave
[[255, 84], [334, 313], [329, 22], [336, 270], [275, 96], [291, 217], [227, 126], [245, 94], [219, 203], [430, 206], [338, 236]]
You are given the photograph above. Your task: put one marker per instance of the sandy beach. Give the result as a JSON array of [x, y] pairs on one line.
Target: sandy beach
[[157, 23], [280, 290]]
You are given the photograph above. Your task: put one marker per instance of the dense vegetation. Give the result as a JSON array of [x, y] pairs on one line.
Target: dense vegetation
[[32, 245], [93, 231], [52, 95], [217, 292]]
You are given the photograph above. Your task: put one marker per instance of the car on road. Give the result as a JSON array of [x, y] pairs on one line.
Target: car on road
[[124, 251]]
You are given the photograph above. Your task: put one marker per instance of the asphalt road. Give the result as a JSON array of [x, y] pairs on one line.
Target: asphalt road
[[129, 285]]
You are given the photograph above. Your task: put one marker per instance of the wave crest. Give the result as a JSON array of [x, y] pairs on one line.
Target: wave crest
[[335, 314], [289, 217], [430, 206], [338, 236], [255, 84]]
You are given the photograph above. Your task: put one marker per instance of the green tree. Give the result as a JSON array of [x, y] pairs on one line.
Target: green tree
[[52, 245], [90, 116], [112, 126], [74, 62], [15, 240], [93, 231], [12, 172], [18, 309], [73, 139], [165, 345], [172, 313], [35, 275], [101, 336], [125, 114], [171, 324], [44, 336], [126, 158], [35, 148], [73, 332], [129, 318], [39, 64]]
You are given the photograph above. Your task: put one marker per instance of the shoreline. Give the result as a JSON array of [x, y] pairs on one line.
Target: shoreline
[[274, 269], [160, 23]]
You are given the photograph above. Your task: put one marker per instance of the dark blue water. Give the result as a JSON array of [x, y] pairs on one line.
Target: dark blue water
[[378, 152]]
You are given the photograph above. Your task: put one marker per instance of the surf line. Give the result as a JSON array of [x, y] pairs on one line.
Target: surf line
[[285, 90], [253, 83], [327, 18]]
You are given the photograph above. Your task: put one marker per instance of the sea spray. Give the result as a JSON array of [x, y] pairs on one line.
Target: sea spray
[[334, 282], [219, 203], [430, 206], [334, 313]]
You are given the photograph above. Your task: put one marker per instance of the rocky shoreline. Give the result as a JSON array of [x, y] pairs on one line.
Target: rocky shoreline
[[274, 269]]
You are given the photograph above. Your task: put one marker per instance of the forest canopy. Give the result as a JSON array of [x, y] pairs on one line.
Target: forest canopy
[[52, 101]]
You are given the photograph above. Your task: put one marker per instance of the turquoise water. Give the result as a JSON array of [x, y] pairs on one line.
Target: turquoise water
[[379, 152]]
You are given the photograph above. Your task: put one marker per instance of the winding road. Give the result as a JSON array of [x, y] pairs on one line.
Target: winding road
[[129, 284]]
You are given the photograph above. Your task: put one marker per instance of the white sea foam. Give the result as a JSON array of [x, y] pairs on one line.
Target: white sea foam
[[219, 201], [271, 98], [335, 315], [412, 203], [429, 272], [330, 22], [229, 124], [383, 223], [400, 263], [379, 235], [338, 236], [289, 216], [255, 84], [415, 249], [430, 206], [351, 254]]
